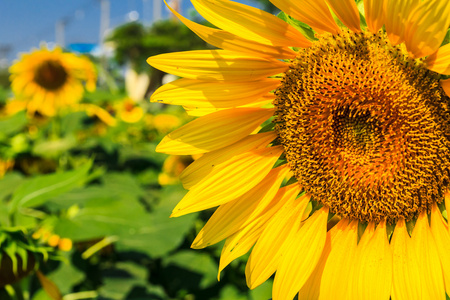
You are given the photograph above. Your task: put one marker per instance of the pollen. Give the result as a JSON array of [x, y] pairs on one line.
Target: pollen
[[365, 128]]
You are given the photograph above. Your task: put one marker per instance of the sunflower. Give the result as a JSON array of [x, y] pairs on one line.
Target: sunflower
[[129, 111], [173, 166], [49, 80], [343, 192]]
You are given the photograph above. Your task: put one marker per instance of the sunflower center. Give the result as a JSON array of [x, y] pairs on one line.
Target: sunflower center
[[50, 75], [365, 128], [355, 134]]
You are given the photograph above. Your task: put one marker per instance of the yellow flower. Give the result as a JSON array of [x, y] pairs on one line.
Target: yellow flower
[[128, 111], [172, 168], [164, 122], [97, 111], [53, 240], [360, 133], [65, 244], [51, 80], [5, 165], [13, 106]]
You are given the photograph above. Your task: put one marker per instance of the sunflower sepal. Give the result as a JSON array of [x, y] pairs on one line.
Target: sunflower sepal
[[305, 29], [362, 18], [19, 255], [446, 38]]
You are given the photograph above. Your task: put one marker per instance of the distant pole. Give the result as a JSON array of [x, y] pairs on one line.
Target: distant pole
[[176, 5], [104, 25], [5, 49], [104, 20], [157, 10], [59, 32]]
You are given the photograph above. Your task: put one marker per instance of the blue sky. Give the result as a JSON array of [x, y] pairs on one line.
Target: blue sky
[[26, 23]]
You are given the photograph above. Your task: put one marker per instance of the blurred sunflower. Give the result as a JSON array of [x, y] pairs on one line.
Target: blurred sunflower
[[5, 165], [360, 133], [163, 123], [173, 166], [129, 111], [49, 80]]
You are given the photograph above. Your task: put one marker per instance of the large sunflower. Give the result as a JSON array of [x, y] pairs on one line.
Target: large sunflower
[[48, 80], [343, 194]]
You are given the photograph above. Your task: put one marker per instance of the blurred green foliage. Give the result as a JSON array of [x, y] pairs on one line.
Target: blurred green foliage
[[84, 214], [134, 43]]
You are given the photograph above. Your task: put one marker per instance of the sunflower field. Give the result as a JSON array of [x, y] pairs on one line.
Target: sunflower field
[[85, 198], [299, 151]]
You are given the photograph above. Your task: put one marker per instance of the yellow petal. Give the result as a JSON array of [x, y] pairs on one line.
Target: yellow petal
[[428, 259], [236, 177], [301, 256], [240, 242], [440, 60], [406, 283], [426, 27], [374, 13], [338, 268], [263, 102], [201, 111], [237, 245], [201, 167], [229, 41], [250, 23], [447, 201], [219, 94], [311, 288], [92, 109], [373, 276], [314, 13], [216, 65], [397, 13], [213, 131], [270, 248], [439, 230], [233, 216], [347, 12], [445, 84]]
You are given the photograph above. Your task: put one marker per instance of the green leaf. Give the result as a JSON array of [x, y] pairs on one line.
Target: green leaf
[[123, 184], [304, 28], [54, 148], [230, 292], [97, 222], [156, 234], [72, 122], [9, 183], [119, 281], [195, 262], [66, 276], [264, 291], [38, 190], [446, 38], [81, 196], [13, 124], [102, 212]]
